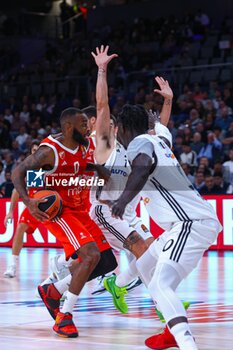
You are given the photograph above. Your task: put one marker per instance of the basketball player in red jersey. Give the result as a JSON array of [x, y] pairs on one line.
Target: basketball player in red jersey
[[65, 154], [27, 223]]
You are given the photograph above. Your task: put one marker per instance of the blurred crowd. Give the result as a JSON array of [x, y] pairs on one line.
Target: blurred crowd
[[202, 117]]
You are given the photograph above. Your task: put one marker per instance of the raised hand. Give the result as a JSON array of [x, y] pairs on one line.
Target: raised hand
[[101, 56], [165, 89]]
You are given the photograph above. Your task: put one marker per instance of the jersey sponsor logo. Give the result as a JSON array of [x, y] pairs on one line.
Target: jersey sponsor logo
[[170, 155], [119, 172]]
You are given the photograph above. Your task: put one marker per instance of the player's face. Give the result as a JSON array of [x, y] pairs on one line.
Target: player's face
[[80, 129]]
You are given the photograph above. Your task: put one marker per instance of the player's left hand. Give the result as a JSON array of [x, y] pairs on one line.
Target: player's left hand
[[117, 207], [165, 89], [101, 57], [103, 173]]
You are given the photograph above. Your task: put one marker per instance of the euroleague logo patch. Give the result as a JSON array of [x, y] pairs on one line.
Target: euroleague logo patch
[[146, 200]]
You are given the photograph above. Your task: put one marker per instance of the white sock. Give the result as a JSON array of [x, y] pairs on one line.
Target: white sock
[[70, 301], [49, 280], [146, 265], [183, 336], [14, 259], [128, 275], [63, 285]]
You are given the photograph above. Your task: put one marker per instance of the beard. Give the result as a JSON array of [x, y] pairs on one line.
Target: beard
[[79, 138]]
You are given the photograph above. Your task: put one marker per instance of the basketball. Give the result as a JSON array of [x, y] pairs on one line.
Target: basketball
[[53, 206]]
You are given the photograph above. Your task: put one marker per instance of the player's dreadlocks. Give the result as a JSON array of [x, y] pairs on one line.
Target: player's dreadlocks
[[134, 118]]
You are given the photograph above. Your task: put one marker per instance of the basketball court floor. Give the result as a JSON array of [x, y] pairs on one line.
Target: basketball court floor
[[25, 323]]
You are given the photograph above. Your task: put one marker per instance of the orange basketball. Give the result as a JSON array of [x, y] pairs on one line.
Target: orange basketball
[[53, 206]]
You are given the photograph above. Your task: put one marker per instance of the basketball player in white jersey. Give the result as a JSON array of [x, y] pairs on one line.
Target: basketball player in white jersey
[[189, 221], [128, 233]]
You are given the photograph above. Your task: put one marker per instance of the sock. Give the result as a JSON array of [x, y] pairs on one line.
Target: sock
[[69, 302], [146, 265], [183, 336], [128, 275], [63, 285], [49, 280], [14, 259]]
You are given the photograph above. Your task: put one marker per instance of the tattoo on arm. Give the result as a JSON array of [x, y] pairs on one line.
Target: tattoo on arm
[[41, 158], [133, 238]]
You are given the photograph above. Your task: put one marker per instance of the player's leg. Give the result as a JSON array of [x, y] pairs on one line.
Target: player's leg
[[74, 238], [183, 250], [17, 245]]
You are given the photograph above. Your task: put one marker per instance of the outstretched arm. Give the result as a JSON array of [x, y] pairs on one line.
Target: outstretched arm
[[167, 94], [103, 135]]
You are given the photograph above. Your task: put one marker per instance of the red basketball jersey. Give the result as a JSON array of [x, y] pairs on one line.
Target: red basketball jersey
[[69, 164]]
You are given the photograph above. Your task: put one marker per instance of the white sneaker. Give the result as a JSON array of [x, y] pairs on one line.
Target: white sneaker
[[10, 272], [59, 271], [100, 288]]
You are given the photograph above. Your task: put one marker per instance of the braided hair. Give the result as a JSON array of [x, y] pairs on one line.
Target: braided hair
[[134, 118]]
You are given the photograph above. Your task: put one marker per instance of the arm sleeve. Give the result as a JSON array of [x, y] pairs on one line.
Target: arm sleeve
[[138, 146]]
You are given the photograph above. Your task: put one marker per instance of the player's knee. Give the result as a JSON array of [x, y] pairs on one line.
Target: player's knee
[[92, 258], [109, 262]]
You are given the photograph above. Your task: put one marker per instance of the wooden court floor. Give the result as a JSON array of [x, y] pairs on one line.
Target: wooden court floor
[[26, 325]]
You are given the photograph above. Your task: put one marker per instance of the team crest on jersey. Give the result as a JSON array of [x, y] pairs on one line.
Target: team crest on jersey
[[144, 228], [62, 154], [146, 200]]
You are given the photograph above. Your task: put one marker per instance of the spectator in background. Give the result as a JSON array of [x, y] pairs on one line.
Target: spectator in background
[[9, 162], [194, 118], [228, 139], [16, 125], [210, 188], [16, 151], [7, 186], [8, 115], [186, 169], [188, 156], [178, 146], [204, 166], [197, 144], [22, 137], [224, 117], [42, 105], [219, 182], [25, 115], [5, 138], [228, 168], [2, 173], [199, 180], [212, 150], [227, 97]]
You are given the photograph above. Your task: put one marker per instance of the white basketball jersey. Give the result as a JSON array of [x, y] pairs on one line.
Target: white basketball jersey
[[120, 169], [168, 194]]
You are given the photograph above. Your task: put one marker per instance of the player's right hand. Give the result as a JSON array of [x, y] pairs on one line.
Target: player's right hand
[[35, 211], [8, 219], [101, 56]]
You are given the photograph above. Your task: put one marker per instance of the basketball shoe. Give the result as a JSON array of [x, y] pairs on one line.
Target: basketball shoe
[[51, 298], [160, 315], [164, 340], [10, 272], [59, 270], [64, 326], [117, 294]]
